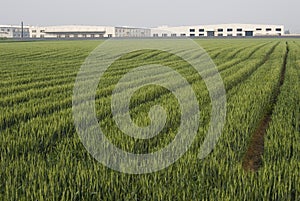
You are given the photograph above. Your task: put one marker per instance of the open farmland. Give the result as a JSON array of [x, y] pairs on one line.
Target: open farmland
[[256, 158]]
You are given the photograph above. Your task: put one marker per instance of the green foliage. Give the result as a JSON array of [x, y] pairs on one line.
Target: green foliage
[[42, 158]]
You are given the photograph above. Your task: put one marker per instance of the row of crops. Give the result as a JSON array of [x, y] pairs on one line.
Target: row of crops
[[42, 157]]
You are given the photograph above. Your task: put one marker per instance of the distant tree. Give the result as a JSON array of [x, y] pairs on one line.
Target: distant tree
[[287, 32]]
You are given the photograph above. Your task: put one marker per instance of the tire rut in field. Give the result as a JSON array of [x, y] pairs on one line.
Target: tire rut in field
[[253, 158]]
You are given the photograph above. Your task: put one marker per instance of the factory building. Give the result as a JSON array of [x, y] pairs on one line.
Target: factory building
[[74, 31], [221, 30], [10, 31], [87, 32]]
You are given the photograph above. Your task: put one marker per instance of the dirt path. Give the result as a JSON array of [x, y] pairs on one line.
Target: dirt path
[[253, 157]]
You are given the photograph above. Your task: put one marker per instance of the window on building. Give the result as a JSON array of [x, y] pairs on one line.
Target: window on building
[[258, 29], [220, 30], [42, 36], [155, 35], [33, 31], [239, 34], [220, 34], [239, 29], [164, 35], [229, 34], [109, 35], [173, 35], [201, 34], [182, 34], [8, 29], [268, 29], [192, 30], [229, 30], [278, 29], [201, 30], [192, 35], [42, 31], [2, 29], [33, 36]]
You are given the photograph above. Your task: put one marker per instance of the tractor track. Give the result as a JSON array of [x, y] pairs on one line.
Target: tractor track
[[253, 158]]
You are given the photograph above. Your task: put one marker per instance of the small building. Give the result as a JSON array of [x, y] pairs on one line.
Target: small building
[[219, 30], [10, 31]]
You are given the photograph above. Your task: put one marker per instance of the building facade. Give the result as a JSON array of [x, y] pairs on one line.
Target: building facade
[[10, 31], [87, 32], [221, 30], [74, 31], [121, 32]]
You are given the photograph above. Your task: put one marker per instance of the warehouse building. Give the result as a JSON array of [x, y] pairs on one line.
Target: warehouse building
[[10, 31], [220, 30], [74, 31]]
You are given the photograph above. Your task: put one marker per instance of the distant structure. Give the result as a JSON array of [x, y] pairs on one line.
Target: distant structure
[[74, 31], [11, 31], [220, 30]]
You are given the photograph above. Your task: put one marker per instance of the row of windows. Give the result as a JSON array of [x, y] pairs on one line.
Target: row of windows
[[193, 35], [238, 30], [131, 30], [238, 34], [41, 36], [5, 30], [14, 30], [172, 35], [219, 30], [34, 31], [269, 29], [19, 35], [79, 36], [19, 30]]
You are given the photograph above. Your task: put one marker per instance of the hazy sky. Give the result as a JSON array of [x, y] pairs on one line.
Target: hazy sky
[[151, 13]]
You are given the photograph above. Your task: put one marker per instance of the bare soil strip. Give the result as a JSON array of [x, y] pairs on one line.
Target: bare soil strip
[[253, 157]]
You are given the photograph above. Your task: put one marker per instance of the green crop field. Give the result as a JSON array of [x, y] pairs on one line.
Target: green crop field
[[256, 158]]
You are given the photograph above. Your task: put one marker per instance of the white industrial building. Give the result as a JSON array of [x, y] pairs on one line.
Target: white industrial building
[[75, 31], [10, 31], [220, 30]]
